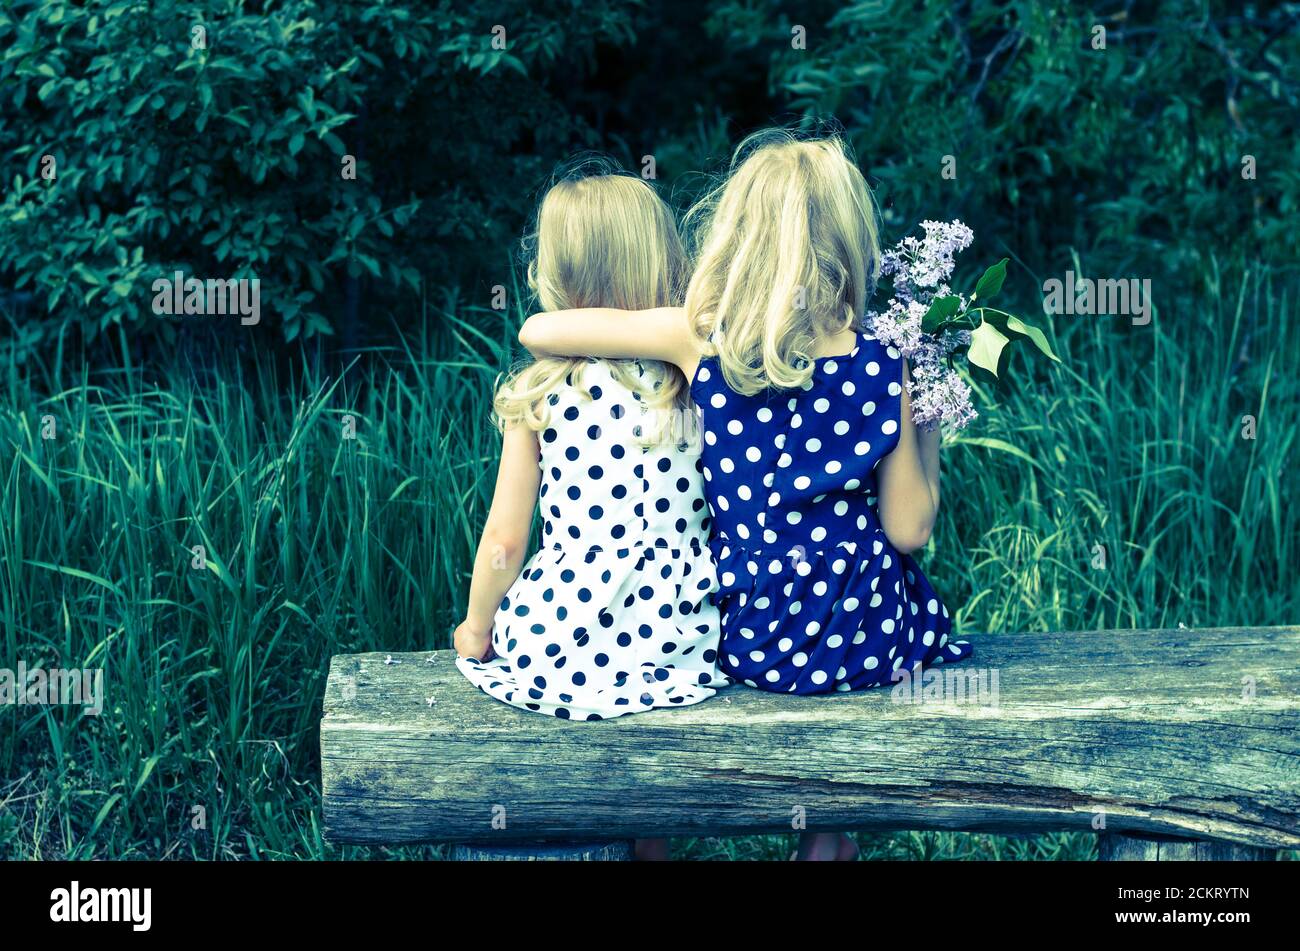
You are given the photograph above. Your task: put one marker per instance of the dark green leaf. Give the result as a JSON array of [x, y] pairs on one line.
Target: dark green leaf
[[991, 282]]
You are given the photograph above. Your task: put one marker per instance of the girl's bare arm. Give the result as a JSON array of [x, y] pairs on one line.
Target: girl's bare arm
[[662, 333], [909, 483], [504, 542]]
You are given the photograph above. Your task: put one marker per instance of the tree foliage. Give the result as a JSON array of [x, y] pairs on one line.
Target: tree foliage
[[131, 150]]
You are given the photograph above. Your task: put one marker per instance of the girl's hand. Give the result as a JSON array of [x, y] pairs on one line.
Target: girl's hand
[[473, 642]]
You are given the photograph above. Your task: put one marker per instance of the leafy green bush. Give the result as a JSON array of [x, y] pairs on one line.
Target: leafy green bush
[[210, 138], [226, 161], [1135, 150]]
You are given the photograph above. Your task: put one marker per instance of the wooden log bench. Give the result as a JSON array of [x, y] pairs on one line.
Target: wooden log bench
[[1171, 744]]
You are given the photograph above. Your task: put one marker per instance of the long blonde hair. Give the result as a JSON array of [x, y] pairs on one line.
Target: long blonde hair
[[788, 253], [602, 240]]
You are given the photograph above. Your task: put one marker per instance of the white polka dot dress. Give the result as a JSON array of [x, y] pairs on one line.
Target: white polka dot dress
[[813, 596], [613, 614]]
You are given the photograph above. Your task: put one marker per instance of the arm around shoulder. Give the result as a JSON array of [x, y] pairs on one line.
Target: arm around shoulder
[[661, 333]]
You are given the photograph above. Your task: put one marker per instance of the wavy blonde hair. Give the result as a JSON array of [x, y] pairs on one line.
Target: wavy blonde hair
[[788, 253], [601, 240]]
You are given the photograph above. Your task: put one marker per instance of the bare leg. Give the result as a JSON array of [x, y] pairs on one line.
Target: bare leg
[[652, 850], [848, 849], [826, 847]]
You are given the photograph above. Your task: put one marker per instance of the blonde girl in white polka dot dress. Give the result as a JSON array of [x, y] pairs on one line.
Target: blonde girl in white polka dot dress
[[613, 614], [819, 483]]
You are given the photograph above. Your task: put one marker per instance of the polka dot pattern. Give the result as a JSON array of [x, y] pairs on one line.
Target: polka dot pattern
[[813, 597], [613, 614]]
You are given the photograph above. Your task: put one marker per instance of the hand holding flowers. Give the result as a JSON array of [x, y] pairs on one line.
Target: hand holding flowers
[[929, 323]]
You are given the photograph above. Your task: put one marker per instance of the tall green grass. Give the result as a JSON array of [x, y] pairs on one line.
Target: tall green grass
[[316, 544], [1136, 443]]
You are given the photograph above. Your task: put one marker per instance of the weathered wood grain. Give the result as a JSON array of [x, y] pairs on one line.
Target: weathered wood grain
[[617, 851], [1187, 733], [1113, 847]]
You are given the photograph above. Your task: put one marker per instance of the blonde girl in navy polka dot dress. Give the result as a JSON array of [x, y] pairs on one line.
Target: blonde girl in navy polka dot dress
[[819, 484], [613, 614]]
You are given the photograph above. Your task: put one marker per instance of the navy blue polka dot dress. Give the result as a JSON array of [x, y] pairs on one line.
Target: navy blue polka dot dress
[[613, 614], [813, 597]]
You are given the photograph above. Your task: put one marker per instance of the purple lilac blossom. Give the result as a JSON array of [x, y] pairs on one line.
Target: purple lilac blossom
[[939, 395], [920, 268]]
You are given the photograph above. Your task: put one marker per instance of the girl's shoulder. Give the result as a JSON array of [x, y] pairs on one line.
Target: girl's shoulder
[[882, 355], [607, 391], [870, 362], [709, 387], [869, 347], [584, 382]]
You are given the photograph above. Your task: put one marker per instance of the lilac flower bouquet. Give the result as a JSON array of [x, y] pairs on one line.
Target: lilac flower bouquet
[[931, 325]]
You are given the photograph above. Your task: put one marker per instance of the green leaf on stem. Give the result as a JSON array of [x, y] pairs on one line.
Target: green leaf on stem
[[1036, 336], [941, 309], [991, 282], [1010, 324], [986, 345]]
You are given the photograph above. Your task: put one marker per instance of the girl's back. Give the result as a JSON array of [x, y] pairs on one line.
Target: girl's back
[[814, 596], [613, 613], [608, 482]]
